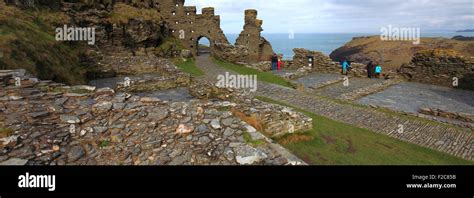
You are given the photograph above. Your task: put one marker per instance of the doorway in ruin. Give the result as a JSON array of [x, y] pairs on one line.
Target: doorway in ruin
[[203, 46]]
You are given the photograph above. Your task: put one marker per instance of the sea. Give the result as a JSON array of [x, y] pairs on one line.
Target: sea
[[323, 42]]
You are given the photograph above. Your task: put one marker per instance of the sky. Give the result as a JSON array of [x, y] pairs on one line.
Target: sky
[[344, 16]]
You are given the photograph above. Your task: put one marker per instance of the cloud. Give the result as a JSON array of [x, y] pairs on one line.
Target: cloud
[[280, 16]]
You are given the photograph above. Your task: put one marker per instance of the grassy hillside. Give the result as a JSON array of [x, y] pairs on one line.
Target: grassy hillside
[[122, 13], [188, 66], [27, 40]]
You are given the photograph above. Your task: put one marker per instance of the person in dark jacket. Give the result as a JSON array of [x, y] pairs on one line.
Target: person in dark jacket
[[274, 61], [369, 69], [349, 66], [372, 70]]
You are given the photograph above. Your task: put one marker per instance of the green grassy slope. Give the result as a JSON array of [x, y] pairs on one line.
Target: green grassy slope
[[27, 40], [261, 76], [336, 143]]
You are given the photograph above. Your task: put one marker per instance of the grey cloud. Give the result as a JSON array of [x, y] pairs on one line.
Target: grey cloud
[[344, 15]]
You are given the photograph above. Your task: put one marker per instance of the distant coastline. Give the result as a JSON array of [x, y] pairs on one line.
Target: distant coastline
[[466, 30], [325, 42]]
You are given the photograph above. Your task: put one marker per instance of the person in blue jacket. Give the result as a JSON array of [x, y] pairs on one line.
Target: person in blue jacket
[[378, 71], [344, 67]]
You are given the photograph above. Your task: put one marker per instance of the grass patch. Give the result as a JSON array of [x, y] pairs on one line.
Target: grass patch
[[104, 143], [188, 66], [251, 120], [336, 143], [261, 76], [5, 132], [248, 139], [294, 138], [68, 90], [80, 91], [122, 13], [223, 109]]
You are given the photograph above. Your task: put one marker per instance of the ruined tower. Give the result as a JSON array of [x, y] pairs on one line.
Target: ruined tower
[[259, 48]]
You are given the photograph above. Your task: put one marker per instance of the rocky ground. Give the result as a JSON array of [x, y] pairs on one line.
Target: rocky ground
[[46, 123]]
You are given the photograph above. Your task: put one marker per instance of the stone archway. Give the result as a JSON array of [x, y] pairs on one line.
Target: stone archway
[[203, 45]]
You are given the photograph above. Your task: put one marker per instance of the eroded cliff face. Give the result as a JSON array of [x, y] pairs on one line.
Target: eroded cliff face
[[29, 37], [135, 29], [392, 54], [440, 67]]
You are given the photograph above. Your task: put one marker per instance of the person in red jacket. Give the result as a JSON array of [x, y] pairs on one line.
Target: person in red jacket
[[279, 63]]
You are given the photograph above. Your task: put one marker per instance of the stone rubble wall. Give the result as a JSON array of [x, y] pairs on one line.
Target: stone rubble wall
[[123, 65], [464, 117], [301, 65], [323, 64], [439, 67], [273, 120], [230, 53]]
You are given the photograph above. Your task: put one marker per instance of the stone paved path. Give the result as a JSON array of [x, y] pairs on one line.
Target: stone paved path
[[316, 80], [337, 89], [444, 138], [410, 97], [398, 96]]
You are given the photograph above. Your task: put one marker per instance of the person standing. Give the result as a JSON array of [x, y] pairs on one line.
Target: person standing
[[274, 61], [349, 66], [378, 71], [344, 67], [372, 71], [369, 69], [279, 63]]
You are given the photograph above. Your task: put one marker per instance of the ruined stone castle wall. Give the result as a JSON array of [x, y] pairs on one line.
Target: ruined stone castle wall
[[439, 67], [320, 62], [188, 26]]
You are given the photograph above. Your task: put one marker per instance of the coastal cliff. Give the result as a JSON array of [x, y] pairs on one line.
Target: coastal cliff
[[392, 54]]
